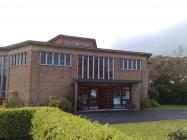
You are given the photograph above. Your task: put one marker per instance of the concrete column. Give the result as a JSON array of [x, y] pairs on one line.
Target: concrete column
[[75, 96]]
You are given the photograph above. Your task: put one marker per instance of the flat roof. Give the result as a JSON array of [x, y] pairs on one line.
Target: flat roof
[[108, 81], [40, 43]]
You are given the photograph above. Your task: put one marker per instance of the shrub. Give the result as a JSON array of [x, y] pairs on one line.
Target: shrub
[[15, 123], [59, 125], [61, 103], [47, 123], [178, 134], [13, 102], [147, 103]]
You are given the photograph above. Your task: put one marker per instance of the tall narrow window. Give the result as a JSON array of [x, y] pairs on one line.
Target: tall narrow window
[[14, 59], [17, 59], [101, 68], [62, 59], [125, 63], [85, 67], [49, 57], [121, 63], [68, 59], [129, 64], [95, 67], [21, 58], [43, 57], [134, 64], [56, 58], [90, 67], [25, 58], [110, 68], [138, 64], [11, 61], [79, 66], [106, 68]]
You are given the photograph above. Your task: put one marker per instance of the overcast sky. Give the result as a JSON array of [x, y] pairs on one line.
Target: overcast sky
[[105, 20]]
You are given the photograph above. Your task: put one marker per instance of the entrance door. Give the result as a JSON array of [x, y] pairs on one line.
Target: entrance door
[[105, 98]]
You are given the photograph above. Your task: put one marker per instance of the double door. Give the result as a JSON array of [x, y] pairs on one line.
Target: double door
[[105, 98]]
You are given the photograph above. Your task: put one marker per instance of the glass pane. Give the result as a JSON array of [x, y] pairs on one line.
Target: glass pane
[[138, 64], [110, 68], [62, 59], [21, 60], [125, 63], [93, 100], [121, 63], [85, 66], [43, 58], [14, 57], [96, 67], [25, 57], [101, 68], [106, 68], [134, 64], [49, 57], [130, 64], [90, 67], [79, 66], [56, 58], [117, 98], [68, 57]]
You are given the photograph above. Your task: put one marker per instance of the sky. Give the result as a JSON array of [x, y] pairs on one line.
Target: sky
[[104, 20]]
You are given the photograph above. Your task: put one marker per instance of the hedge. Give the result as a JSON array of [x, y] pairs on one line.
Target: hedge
[[47, 123]]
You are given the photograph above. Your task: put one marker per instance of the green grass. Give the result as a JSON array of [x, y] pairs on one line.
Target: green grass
[[150, 130], [169, 107]]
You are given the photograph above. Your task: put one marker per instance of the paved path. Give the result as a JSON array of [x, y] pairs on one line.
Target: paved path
[[113, 117]]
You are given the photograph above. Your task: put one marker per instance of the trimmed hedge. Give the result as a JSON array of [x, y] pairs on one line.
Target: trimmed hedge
[[15, 123], [47, 123]]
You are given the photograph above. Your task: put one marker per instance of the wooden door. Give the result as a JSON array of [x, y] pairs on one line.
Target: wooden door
[[105, 98]]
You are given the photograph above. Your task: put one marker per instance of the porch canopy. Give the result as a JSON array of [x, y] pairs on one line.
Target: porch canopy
[[91, 81]]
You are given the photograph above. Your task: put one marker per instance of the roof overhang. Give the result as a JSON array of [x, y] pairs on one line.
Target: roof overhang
[[91, 81]]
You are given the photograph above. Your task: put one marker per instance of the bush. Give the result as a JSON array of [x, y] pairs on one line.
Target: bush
[[178, 134], [13, 102], [47, 123], [61, 103], [15, 123], [147, 103]]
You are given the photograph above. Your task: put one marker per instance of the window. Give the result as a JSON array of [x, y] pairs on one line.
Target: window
[[11, 61], [138, 64], [90, 67], [85, 66], [101, 68], [130, 64], [94, 67], [110, 68], [17, 59], [68, 59], [80, 66], [134, 64], [43, 57], [62, 59], [49, 58], [106, 68], [125, 63], [53, 58], [56, 58]]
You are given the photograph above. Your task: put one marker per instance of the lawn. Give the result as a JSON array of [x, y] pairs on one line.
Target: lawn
[[150, 130], [170, 107]]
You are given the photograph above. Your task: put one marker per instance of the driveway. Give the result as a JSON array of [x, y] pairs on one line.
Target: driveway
[[116, 117]]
